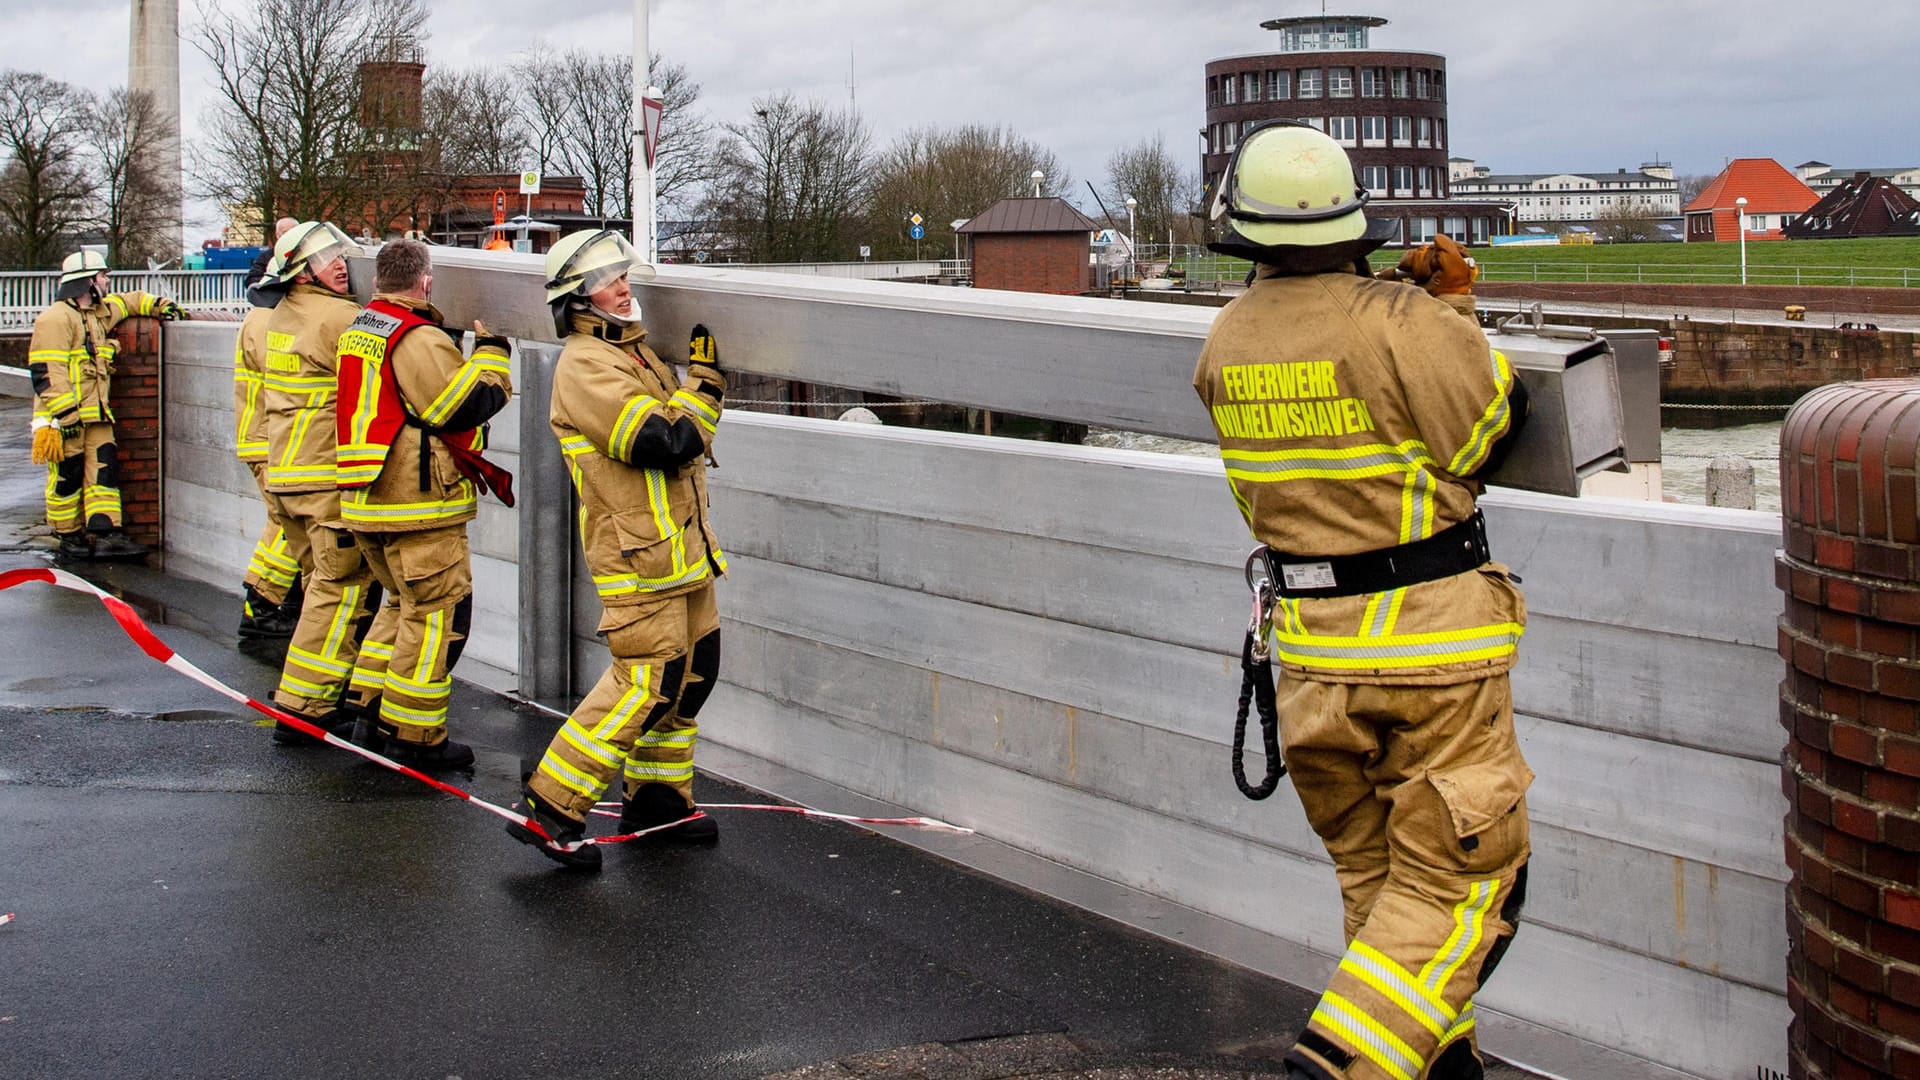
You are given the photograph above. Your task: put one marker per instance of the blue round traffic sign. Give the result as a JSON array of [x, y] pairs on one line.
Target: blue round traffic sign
[[918, 232]]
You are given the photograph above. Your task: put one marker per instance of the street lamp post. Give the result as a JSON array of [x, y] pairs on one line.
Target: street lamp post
[[1740, 206], [1133, 258]]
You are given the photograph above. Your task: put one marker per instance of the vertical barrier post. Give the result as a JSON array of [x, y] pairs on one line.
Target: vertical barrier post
[[546, 538]]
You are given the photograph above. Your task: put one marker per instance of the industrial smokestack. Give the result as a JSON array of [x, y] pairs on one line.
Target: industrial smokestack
[[153, 67]]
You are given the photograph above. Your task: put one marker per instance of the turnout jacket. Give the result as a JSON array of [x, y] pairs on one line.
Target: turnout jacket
[[303, 332], [409, 403], [249, 376], [634, 438], [70, 357], [1352, 414]]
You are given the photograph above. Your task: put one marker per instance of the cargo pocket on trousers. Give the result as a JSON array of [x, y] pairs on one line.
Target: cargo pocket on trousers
[[649, 556], [1484, 801]]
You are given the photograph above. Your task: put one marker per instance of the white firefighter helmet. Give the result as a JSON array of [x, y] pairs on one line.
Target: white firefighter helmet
[[1290, 185], [77, 272], [307, 246], [581, 263]]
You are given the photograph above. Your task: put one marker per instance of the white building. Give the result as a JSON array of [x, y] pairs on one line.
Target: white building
[[1570, 198]]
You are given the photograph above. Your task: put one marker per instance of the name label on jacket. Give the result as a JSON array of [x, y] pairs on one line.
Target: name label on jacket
[[1288, 401]]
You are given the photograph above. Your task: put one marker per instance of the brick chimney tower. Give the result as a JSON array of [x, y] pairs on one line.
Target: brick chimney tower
[[153, 66]]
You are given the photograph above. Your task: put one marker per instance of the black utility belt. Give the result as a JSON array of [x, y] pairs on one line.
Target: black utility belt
[[1451, 551]]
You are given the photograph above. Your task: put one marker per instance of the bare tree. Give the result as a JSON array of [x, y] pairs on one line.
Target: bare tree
[[1625, 224], [137, 206], [287, 137], [1166, 192], [944, 175], [474, 121], [44, 185], [1691, 187], [791, 181], [683, 157]]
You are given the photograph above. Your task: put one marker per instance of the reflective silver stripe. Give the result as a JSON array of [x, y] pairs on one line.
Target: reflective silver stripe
[[1414, 649]]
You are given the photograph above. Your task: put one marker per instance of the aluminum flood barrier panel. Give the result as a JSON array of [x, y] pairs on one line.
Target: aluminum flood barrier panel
[[1041, 642]]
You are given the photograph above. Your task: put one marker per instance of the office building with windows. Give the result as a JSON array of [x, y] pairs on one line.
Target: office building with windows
[[1388, 108]]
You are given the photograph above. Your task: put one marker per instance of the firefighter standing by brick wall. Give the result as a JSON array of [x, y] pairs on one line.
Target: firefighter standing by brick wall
[[302, 335], [70, 359], [270, 607], [1353, 415], [634, 437], [410, 433]]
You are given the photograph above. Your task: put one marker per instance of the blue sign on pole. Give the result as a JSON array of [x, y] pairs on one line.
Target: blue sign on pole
[[918, 232]]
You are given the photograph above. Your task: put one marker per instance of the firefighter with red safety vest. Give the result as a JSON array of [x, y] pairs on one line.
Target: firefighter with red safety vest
[[70, 362], [634, 435], [270, 604], [1354, 416], [411, 428], [320, 680]]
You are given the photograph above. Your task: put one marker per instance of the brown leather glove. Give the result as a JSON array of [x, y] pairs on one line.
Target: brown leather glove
[[1453, 271], [1416, 266], [47, 446]]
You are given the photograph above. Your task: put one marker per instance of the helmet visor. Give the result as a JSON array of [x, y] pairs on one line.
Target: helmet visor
[[325, 244], [605, 257]]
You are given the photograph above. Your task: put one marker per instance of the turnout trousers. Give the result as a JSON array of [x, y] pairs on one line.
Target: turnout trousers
[[341, 595], [1419, 794], [419, 633], [278, 558], [83, 487], [638, 720]]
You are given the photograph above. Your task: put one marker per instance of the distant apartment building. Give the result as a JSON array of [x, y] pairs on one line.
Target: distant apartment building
[[1824, 178], [1571, 199], [1387, 107]]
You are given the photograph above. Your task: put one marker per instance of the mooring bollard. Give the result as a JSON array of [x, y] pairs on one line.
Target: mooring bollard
[[1730, 482]]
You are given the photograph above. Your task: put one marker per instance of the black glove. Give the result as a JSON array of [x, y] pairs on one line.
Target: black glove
[[485, 338], [701, 349]]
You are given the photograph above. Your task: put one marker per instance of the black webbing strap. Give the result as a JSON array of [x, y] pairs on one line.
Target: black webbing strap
[[1453, 550]]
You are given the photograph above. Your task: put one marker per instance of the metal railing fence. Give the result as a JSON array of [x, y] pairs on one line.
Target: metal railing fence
[[25, 294]]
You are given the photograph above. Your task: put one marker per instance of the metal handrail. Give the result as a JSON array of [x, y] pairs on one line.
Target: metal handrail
[[25, 294]]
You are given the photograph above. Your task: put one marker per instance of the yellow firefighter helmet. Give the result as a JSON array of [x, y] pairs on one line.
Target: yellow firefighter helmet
[[1291, 186], [307, 246], [581, 263]]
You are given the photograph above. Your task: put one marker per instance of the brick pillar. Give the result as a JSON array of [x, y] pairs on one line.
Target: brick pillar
[[136, 426], [1851, 705]]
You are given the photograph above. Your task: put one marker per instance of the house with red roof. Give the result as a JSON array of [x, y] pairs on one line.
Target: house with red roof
[[1774, 197]]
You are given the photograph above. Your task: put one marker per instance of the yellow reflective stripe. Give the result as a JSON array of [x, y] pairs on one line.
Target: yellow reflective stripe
[[376, 650], [430, 646], [627, 426], [664, 771], [316, 662], [368, 679], [561, 773], [1397, 984], [298, 384], [354, 507], [706, 417], [48, 356], [394, 711], [575, 736], [574, 444], [657, 503], [425, 688], [638, 690], [678, 737], [1461, 1026], [302, 687], [372, 371], [1491, 423], [343, 616], [1337, 652], [450, 398], [1368, 1036], [1469, 919], [623, 584], [1383, 610], [490, 360]]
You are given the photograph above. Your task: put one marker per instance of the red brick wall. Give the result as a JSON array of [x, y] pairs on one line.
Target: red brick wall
[[1848, 300], [136, 427], [1850, 495], [1032, 262], [1739, 364]]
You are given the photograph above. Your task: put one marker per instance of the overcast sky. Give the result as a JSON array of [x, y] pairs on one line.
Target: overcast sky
[[1536, 85]]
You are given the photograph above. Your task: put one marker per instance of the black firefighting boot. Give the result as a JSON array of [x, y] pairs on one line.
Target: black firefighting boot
[[117, 545], [1458, 1062], [337, 721], [75, 545], [652, 805], [561, 828], [262, 618], [366, 728], [443, 756]]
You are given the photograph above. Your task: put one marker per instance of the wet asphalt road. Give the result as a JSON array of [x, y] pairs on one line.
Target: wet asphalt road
[[193, 901]]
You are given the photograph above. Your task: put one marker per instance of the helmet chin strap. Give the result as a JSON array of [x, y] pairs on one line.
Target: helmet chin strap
[[617, 320]]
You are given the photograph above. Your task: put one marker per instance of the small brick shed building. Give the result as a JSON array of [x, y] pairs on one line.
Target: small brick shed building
[[1032, 245]]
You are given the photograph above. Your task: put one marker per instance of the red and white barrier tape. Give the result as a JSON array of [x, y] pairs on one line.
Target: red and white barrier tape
[[807, 811], [143, 636]]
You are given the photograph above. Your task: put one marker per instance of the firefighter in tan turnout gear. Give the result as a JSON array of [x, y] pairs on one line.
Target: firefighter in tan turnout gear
[[412, 415], [299, 396], [634, 436], [70, 361], [270, 607], [1353, 415]]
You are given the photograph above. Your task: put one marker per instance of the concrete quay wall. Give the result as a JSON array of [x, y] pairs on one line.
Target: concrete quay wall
[[1040, 642]]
